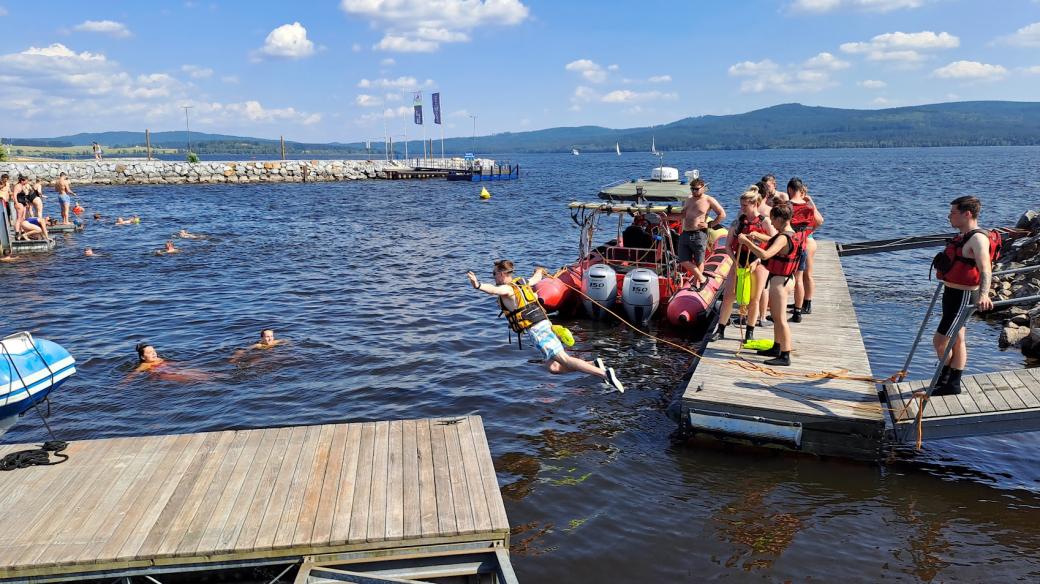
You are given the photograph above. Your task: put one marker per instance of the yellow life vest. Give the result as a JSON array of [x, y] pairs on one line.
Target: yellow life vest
[[528, 310]]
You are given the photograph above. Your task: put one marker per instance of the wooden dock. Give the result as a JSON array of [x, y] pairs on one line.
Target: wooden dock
[[828, 416], [358, 495], [989, 403], [413, 173]]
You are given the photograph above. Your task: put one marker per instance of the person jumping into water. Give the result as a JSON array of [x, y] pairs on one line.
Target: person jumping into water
[[525, 315], [966, 270], [693, 243]]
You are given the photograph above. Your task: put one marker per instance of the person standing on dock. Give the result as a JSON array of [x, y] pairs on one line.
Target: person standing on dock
[[781, 256], [525, 315], [806, 219], [966, 270], [65, 194], [693, 243]]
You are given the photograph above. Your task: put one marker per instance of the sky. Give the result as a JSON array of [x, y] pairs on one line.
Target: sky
[[343, 70]]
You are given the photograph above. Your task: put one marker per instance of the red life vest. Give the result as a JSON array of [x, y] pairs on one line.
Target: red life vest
[[756, 225], [804, 217], [786, 264], [953, 267]]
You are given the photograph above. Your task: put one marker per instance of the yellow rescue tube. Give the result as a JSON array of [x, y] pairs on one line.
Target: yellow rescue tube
[[564, 334]]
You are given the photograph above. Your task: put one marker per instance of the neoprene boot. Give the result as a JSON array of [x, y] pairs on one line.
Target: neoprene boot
[[807, 306], [796, 315], [774, 352], [784, 360], [749, 333], [952, 385], [720, 333]]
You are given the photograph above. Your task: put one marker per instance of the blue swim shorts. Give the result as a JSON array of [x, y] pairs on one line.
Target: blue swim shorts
[[65, 199], [543, 337]]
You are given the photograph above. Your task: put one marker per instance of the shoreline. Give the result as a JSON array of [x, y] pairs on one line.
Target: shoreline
[[134, 172]]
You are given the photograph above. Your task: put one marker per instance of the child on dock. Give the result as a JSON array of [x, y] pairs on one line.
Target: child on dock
[[781, 257], [806, 219], [525, 315]]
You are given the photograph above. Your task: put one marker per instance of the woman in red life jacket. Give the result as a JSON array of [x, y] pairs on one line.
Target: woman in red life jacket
[[966, 270], [807, 218], [781, 262], [758, 228]]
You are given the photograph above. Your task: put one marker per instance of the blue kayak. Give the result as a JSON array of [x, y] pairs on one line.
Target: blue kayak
[[29, 370]]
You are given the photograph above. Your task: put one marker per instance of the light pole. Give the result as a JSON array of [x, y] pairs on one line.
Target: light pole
[[187, 130], [473, 142]]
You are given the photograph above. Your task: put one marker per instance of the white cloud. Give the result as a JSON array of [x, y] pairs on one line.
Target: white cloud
[[365, 100], [626, 96], [902, 47], [613, 67], [388, 62], [819, 6], [970, 71], [196, 72], [872, 84], [766, 76], [1027, 36], [423, 25], [288, 40], [660, 79], [406, 83], [1034, 70], [109, 27], [881, 101], [393, 97], [588, 69], [826, 61]]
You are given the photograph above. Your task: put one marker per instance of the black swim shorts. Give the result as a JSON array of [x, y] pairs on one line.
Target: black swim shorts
[[954, 302], [692, 246]]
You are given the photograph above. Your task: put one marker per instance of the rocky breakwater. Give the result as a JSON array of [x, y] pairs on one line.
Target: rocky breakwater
[[121, 172], [1021, 323]]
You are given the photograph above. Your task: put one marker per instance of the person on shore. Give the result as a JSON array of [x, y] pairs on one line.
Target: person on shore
[[5, 188], [65, 194], [36, 198], [35, 226], [97, 151], [20, 195], [780, 255], [524, 314], [693, 242], [807, 218], [966, 270], [758, 228]]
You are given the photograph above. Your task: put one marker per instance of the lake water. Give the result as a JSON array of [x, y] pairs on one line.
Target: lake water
[[367, 281]]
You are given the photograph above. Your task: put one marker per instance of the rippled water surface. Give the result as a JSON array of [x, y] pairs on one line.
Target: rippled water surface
[[366, 280]]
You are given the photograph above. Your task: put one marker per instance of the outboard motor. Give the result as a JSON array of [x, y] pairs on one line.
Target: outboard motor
[[640, 295], [600, 284]]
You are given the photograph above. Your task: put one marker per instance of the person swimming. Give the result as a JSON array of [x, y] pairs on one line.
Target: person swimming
[[149, 361], [89, 252], [168, 249], [267, 341], [121, 221], [185, 234]]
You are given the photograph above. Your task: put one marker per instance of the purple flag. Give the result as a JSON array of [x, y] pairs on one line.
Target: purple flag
[[418, 108], [437, 108]]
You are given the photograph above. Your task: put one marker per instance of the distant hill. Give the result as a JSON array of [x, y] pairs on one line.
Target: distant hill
[[973, 123]]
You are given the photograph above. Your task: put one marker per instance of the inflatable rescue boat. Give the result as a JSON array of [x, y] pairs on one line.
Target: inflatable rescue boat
[[29, 370]]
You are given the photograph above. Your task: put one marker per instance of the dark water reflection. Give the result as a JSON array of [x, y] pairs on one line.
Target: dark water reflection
[[366, 280]]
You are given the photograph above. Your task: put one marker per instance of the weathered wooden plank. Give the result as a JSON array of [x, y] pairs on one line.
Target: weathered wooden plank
[[982, 399], [242, 528], [378, 497], [315, 484], [991, 392], [257, 445], [344, 515], [279, 492], [472, 476], [457, 470], [395, 483], [997, 381], [294, 497], [1031, 378], [1020, 388], [326, 511], [412, 511], [427, 480], [363, 485], [488, 476], [446, 520]]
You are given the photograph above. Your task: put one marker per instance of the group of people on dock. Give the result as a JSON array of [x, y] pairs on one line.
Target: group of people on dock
[[24, 202]]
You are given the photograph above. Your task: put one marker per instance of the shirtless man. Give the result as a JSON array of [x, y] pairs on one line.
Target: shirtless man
[[966, 279], [520, 304], [693, 243], [65, 194], [168, 249]]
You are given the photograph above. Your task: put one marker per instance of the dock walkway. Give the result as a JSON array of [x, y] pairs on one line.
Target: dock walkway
[[321, 496], [830, 416]]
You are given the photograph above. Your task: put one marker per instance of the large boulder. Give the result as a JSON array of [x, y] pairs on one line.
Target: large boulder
[[1012, 335]]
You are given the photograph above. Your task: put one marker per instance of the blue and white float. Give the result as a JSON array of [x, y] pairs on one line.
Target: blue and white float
[[29, 370]]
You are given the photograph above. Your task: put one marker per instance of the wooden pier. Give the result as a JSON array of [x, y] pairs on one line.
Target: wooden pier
[[728, 398], [402, 499]]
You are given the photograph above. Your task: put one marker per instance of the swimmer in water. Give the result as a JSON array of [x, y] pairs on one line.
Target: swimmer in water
[[147, 357], [184, 234], [267, 341], [150, 362], [168, 249], [89, 252], [121, 221]]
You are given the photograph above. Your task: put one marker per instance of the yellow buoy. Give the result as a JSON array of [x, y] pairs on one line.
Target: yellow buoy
[[484, 194], [564, 334], [759, 344]]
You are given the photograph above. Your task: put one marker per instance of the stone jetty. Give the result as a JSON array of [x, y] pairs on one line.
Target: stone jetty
[[140, 171], [1021, 323]]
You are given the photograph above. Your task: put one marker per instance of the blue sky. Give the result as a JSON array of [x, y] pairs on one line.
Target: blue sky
[[338, 70]]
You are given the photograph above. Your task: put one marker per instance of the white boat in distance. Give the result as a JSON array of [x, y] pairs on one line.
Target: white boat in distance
[[653, 145], [574, 151], [617, 148]]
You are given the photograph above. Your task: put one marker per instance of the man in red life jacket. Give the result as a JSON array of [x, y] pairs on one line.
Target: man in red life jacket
[[965, 268]]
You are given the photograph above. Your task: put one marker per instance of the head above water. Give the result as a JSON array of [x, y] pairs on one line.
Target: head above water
[[146, 353], [266, 336]]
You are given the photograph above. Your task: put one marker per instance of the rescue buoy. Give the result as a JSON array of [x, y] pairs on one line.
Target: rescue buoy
[[77, 209], [564, 334], [484, 194], [743, 286], [759, 344]]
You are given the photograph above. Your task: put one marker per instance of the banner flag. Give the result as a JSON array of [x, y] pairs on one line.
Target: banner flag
[[437, 108], [418, 107]]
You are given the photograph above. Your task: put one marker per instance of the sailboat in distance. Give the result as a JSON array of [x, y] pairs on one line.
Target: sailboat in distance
[[653, 145], [617, 148], [574, 151]]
